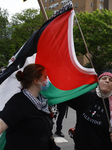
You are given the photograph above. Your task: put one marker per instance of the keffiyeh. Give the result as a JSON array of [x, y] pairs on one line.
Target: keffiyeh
[[109, 96], [40, 102], [104, 95]]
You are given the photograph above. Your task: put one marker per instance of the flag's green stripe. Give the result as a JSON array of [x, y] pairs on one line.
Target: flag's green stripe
[[56, 96], [2, 141]]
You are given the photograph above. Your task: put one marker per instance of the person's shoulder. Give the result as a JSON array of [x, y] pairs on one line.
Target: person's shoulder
[[90, 93], [16, 98], [91, 96], [18, 95], [93, 93]]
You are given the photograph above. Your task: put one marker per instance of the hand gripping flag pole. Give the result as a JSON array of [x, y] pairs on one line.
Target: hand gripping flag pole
[[94, 69]]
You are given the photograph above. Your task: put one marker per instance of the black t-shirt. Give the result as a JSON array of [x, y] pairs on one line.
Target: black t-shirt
[[92, 127], [29, 128]]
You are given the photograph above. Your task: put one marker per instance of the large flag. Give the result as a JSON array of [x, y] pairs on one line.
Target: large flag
[[53, 47]]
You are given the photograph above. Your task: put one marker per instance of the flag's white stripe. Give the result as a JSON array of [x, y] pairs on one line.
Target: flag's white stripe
[[71, 47], [59, 140], [11, 86]]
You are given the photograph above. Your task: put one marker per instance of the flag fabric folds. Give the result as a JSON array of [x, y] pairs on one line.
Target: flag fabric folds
[[51, 46], [68, 78]]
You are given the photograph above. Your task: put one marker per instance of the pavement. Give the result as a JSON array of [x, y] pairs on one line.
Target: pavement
[[66, 143]]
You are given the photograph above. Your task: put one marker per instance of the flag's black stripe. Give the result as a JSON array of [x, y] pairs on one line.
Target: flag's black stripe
[[29, 48]]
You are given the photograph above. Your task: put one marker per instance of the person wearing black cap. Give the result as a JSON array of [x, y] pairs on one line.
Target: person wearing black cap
[[93, 128]]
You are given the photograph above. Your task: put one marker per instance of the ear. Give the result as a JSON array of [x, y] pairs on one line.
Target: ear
[[36, 81]]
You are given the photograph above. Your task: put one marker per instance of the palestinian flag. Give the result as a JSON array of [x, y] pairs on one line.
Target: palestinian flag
[[53, 47]]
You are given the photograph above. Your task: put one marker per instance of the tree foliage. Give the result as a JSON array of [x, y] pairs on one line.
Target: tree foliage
[[97, 31], [4, 36], [3, 61], [96, 28], [15, 33], [24, 24]]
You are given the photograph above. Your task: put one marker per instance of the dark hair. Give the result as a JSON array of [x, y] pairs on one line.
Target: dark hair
[[29, 73]]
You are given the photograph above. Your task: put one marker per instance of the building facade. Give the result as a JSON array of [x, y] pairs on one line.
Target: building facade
[[79, 5]]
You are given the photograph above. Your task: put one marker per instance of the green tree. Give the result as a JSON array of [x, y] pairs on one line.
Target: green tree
[[24, 24], [4, 35], [97, 31], [15, 33], [3, 61]]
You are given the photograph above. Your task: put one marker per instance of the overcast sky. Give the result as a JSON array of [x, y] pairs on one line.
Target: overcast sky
[[15, 6]]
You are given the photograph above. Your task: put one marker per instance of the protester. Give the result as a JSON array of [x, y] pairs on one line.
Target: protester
[[62, 107], [92, 130], [26, 116]]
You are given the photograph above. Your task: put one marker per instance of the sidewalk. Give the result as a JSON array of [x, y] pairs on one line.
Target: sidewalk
[[66, 143]]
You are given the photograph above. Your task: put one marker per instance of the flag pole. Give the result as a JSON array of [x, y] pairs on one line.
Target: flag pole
[[84, 40], [43, 10], [94, 69]]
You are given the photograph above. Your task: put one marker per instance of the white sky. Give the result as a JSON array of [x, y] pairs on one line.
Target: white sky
[[15, 6]]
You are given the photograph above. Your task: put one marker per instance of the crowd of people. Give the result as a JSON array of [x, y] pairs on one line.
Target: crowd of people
[[28, 120]]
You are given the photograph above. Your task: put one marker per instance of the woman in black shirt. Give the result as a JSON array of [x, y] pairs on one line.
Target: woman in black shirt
[[92, 130], [26, 116]]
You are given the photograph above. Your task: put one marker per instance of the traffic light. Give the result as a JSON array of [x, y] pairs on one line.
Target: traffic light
[[24, 0]]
